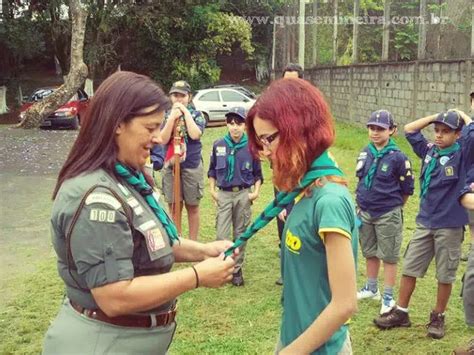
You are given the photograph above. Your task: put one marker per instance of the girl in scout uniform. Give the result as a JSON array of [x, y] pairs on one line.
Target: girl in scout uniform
[[385, 183], [441, 218], [234, 171], [320, 239], [114, 242], [192, 173]]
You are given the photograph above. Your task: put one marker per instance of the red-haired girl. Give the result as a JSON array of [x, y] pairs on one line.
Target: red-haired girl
[[292, 126]]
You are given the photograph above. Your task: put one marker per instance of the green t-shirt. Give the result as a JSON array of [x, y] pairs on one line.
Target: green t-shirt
[[306, 291]]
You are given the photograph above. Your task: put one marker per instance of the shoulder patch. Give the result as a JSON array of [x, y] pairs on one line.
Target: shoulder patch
[[102, 197], [407, 164]]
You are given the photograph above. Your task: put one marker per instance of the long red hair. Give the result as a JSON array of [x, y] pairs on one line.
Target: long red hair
[[301, 115], [120, 98]]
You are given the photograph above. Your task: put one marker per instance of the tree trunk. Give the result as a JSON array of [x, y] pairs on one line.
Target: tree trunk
[[77, 73], [386, 30], [355, 33], [334, 35], [422, 31]]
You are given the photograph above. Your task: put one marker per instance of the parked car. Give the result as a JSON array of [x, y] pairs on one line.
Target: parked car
[[215, 102], [68, 115]]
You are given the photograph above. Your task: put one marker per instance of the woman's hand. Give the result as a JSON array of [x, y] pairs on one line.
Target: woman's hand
[[215, 272], [216, 248]]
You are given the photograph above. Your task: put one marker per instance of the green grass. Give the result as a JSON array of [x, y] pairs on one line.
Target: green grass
[[246, 320]]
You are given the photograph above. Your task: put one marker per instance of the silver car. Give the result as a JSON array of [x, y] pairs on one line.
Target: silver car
[[215, 102]]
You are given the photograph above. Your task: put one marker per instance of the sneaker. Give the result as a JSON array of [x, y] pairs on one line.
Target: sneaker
[[393, 319], [387, 304], [364, 292], [436, 325], [237, 278], [465, 350], [279, 282]]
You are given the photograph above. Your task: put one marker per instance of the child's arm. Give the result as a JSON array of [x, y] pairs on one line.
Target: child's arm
[[257, 174], [256, 190], [211, 173], [419, 124], [212, 185], [405, 177], [194, 129]]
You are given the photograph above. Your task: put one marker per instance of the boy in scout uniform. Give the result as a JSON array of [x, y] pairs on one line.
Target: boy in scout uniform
[[467, 200], [470, 212], [441, 218], [385, 183], [234, 171], [192, 125]]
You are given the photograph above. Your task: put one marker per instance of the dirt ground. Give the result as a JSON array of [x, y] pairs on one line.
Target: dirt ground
[[29, 163]]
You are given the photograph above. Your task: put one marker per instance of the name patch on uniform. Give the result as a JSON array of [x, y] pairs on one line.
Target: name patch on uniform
[[147, 225], [449, 171], [101, 215], [132, 202], [101, 197], [220, 151], [155, 239], [122, 188], [138, 210]]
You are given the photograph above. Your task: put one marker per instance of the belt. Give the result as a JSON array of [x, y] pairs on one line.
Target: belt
[[135, 320], [234, 188]]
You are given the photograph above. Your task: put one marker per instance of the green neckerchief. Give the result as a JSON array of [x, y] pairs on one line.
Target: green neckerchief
[[378, 155], [322, 166], [137, 180], [426, 177], [234, 147]]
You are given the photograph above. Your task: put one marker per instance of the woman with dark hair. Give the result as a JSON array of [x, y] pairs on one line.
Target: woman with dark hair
[[291, 124], [114, 242]]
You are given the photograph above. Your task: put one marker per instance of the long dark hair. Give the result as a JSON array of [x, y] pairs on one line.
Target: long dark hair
[[118, 99]]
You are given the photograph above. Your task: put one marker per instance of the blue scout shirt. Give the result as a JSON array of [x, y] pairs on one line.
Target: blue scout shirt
[[393, 179], [440, 207], [157, 156], [469, 180], [193, 146], [247, 170]]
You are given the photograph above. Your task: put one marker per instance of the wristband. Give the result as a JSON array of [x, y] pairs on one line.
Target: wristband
[[197, 276]]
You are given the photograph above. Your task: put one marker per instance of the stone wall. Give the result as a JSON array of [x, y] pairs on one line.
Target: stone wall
[[409, 90]]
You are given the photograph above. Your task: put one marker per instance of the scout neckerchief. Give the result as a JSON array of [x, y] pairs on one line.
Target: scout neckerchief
[[378, 155], [137, 180], [234, 147], [431, 165], [322, 166]]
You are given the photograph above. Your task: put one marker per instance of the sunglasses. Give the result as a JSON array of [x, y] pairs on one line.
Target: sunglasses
[[267, 140]]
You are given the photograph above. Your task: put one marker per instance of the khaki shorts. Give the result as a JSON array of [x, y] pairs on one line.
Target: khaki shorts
[[381, 237], [192, 184], [443, 244]]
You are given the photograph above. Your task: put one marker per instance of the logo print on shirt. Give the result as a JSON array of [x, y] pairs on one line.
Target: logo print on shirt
[[292, 242]]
